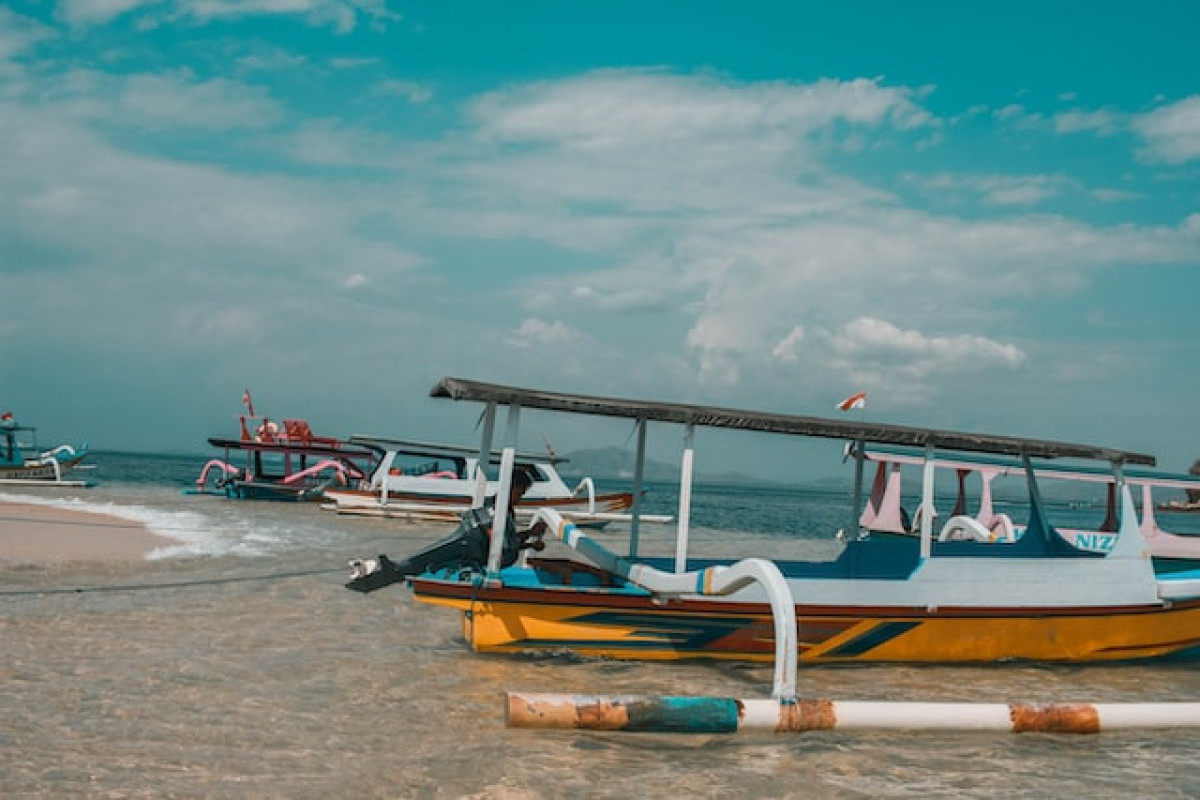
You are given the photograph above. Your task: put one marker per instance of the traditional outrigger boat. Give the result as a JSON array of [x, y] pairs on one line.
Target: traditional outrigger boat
[[881, 600], [273, 462], [423, 480], [884, 513], [24, 464]]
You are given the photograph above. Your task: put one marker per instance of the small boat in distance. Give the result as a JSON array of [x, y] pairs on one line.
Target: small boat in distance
[[23, 464], [429, 481], [269, 461]]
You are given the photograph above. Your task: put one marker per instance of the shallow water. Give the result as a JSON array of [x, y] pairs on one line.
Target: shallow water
[[236, 665]]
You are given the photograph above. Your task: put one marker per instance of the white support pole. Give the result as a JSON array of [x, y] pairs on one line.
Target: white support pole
[[503, 487], [512, 429], [500, 521], [639, 469], [926, 508], [858, 452], [489, 428], [381, 476], [685, 499], [485, 456]]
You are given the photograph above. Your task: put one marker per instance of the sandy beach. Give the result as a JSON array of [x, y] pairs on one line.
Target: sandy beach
[[36, 533]]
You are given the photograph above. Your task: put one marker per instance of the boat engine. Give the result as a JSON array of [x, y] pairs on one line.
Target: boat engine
[[465, 549]]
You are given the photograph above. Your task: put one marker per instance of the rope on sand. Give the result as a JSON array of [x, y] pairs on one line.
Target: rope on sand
[[137, 587]]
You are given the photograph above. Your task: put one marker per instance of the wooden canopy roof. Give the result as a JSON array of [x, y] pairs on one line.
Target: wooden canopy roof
[[817, 427]]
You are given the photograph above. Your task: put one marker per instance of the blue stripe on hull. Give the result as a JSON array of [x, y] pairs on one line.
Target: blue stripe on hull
[[878, 635]]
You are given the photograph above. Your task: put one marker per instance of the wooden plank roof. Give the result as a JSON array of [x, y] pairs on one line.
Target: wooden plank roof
[[737, 419]]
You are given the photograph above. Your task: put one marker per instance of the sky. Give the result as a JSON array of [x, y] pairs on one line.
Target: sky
[[984, 215]]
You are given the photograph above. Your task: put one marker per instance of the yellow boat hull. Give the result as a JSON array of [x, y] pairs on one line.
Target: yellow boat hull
[[594, 622]]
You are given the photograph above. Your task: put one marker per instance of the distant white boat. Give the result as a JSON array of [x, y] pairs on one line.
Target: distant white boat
[[424, 480]]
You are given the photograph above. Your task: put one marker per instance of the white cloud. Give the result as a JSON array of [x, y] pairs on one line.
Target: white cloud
[[616, 109], [341, 15], [911, 366], [642, 152], [411, 91], [85, 203], [537, 333], [1114, 195], [79, 13], [876, 340], [19, 34], [139, 102], [270, 59], [1172, 133], [699, 228], [176, 100], [1104, 122], [327, 142], [353, 63], [1019, 117], [1023, 190]]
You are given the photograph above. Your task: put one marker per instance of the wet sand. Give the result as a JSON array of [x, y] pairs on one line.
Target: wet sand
[[32, 533]]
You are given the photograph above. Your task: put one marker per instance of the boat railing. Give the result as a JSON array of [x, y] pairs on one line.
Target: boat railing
[[714, 580]]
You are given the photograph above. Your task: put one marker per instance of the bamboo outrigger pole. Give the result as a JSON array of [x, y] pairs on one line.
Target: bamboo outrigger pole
[[733, 716]]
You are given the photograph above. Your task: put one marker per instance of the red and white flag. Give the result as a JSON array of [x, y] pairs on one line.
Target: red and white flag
[[856, 400], [6, 416], [248, 403]]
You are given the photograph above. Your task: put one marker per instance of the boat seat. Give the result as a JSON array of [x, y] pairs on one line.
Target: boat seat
[[298, 430]]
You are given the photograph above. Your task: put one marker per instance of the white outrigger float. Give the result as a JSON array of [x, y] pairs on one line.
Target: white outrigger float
[[1038, 598]]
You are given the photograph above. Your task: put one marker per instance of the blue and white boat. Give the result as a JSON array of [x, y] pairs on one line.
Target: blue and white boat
[[23, 463], [898, 599]]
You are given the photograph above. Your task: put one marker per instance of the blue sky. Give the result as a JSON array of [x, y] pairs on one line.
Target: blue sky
[[987, 216]]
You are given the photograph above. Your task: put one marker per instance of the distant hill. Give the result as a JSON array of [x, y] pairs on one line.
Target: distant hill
[[616, 463]]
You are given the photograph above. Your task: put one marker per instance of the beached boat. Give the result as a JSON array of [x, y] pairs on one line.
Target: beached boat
[[269, 461], [422, 480], [23, 463], [884, 513], [1036, 598]]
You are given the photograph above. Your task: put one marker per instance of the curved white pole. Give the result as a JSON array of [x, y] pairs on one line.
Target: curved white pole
[[711, 581]]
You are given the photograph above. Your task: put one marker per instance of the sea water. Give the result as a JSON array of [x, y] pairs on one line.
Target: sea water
[[233, 663]]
